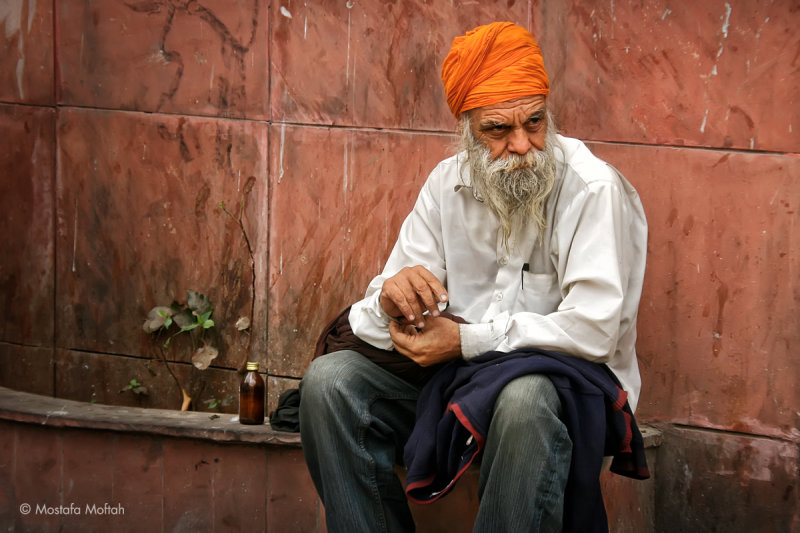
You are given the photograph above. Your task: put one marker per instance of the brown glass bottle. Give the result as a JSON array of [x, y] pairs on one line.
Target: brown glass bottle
[[251, 396]]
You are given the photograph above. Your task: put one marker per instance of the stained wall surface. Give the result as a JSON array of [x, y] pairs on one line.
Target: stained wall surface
[[265, 154]]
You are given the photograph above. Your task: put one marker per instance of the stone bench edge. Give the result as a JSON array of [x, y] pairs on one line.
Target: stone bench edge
[[31, 408], [26, 407]]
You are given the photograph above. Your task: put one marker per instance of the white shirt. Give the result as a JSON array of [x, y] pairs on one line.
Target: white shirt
[[576, 291]]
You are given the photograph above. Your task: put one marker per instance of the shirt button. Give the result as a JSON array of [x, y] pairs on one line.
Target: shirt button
[[504, 261], [499, 296]]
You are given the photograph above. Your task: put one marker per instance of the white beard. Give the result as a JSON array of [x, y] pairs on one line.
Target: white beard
[[514, 188]]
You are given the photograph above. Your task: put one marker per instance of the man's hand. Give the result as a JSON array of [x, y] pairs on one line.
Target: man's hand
[[411, 292], [438, 341]]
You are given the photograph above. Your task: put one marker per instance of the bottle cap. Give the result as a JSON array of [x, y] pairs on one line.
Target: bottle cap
[[252, 365]]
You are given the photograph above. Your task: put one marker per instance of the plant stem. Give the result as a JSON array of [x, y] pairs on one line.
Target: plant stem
[[184, 405]]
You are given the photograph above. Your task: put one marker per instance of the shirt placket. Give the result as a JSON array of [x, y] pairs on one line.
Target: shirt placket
[[507, 281]]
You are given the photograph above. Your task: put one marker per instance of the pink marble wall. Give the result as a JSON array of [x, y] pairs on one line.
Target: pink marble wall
[[27, 71], [160, 484], [126, 123], [139, 222], [27, 165], [716, 74], [198, 58]]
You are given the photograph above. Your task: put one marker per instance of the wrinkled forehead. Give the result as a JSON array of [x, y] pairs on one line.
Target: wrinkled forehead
[[509, 112]]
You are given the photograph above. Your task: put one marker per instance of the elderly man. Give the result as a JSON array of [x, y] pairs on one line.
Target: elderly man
[[527, 241]]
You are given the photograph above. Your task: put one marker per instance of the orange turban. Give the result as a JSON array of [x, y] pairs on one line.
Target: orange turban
[[491, 64]]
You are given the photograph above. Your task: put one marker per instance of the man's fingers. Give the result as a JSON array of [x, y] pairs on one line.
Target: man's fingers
[[404, 299], [403, 294], [429, 290], [436, 287], [440, 341], [425, 296], [400, 336], [411, 292]]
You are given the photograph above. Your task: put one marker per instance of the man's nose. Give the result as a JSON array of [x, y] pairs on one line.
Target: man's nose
[[518, 142]]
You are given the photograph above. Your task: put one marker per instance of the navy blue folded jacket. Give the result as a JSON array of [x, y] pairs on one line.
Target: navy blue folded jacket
[[455, 408]]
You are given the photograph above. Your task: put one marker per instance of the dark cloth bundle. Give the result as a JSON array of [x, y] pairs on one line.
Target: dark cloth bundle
[[286, 417], [455, 408]]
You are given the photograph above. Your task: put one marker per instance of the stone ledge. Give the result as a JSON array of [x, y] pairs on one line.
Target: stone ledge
[[56, 412], [652, 436]]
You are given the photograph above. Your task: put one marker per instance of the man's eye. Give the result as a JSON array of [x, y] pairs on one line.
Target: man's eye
[[535, 122], [495, 129]]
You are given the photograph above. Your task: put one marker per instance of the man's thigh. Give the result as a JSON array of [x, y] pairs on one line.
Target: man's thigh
[[351, 374]]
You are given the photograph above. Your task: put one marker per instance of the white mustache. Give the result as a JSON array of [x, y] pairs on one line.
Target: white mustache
[[512, 162]]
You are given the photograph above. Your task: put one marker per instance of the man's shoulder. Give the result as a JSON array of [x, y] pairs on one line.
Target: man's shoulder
[[582, 164], [450, 171], [451, 164]]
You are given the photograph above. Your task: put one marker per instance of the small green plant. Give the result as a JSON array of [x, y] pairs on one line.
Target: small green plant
[[196, 313], [213, 403], [204, 321], [135, 387], [192, 318]]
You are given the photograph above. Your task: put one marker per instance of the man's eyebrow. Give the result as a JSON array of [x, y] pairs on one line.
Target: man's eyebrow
[[489, 124], [537, 114]]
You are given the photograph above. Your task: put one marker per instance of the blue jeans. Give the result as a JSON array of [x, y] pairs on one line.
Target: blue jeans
[[355, 418]]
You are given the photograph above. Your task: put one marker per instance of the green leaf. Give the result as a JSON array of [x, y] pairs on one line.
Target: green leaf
[[183, 319], [135, 387], [189, 327], [203, 356], [156, 318], [208, 324], [243, 323], [198, 303]]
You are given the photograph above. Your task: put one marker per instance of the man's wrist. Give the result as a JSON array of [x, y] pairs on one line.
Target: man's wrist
[[381, 312], [477, 339]]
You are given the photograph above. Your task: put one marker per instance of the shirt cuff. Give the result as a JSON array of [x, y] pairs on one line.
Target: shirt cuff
[[375, 306], [477, 339]]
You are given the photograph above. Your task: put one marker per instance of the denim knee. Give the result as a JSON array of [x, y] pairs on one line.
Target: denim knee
[[327, 380], [525, 401]]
